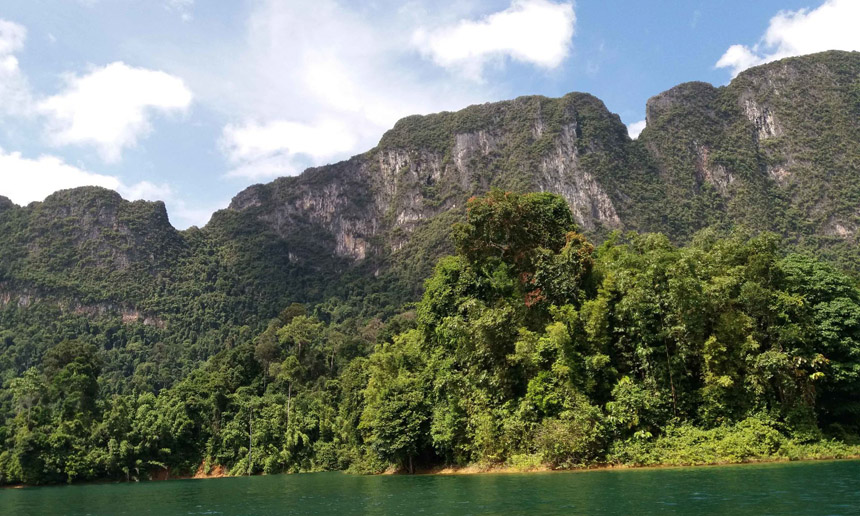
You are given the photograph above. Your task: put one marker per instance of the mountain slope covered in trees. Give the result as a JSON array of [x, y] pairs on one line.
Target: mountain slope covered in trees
[[529, 348], [127, 346]]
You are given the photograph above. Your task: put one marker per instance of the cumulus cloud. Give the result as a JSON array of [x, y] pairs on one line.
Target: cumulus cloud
[[537, 32], [111, 107], [12, 37], [181, 7], [317, 81], [323, 79], [832, 26], [266, 150], [24, 180], [14, 89], [635, 128], [183, 215]]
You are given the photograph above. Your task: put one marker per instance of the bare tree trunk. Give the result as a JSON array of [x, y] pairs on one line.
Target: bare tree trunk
[[289, 402], [250, 439], [671, 381]]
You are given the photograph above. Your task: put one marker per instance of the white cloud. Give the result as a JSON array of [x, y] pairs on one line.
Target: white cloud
[[12, 37], [832, 26], [145, 190], [25, 180], [537, 32], [14, 90], [183, 215], [635, 128], [110, 108], [271, 150], [182, 7], [317, 81]]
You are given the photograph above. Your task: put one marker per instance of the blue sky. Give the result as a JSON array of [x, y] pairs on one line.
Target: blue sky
[[189, 101]]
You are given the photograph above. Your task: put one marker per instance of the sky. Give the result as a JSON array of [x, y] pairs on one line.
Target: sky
[[190, 101]]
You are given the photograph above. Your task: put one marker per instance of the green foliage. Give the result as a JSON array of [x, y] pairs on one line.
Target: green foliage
[[395, 414], [130, 350], [756, 438], [529, 348]]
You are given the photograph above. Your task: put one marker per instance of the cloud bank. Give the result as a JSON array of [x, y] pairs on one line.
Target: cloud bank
[[14, 89], [27, 180], [259, 151], [111, 107], [537, 32], [835, 25]]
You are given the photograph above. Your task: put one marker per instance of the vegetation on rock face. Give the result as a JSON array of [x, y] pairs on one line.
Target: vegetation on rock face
[[776, 150], [530, 346], [550, 336]]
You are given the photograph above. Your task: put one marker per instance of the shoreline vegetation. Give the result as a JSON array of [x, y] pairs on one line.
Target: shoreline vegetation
[[531, 349]]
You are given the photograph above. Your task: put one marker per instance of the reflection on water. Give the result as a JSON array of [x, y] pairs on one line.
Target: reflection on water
[[823, 488]]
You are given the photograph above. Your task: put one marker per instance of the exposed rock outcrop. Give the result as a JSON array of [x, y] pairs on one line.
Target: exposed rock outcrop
[[776, 149], [368, 206]]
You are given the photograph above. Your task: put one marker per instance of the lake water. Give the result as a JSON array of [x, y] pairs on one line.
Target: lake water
[[815, 488]]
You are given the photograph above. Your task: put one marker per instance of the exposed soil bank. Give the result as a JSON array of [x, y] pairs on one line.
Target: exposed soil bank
[[218, 471], [481, 469]]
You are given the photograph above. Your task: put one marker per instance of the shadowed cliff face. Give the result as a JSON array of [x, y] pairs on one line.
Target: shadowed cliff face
[[5, 203], [106, 231], [777, 149]]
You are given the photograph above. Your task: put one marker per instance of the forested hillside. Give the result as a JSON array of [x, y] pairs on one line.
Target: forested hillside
[[529, 348], [688, 296]]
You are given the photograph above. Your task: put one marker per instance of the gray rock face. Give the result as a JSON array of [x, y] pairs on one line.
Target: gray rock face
[[27, 297], [762, 118], [561, 172], [708, 154], [776, 149], [369, 205]]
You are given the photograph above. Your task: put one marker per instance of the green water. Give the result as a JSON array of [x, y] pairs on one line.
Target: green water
[[823, 488]]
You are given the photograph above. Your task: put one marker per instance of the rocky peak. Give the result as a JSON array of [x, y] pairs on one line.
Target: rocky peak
[[251, 197], [680, 99], [104, 229], [5, 204], [372, 204], [777, 148]]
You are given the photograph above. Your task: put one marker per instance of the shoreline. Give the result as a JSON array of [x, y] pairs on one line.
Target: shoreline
[[476, 469], [471, 469]]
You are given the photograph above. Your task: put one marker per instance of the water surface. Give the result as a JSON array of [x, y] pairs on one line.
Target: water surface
[[813, 488]]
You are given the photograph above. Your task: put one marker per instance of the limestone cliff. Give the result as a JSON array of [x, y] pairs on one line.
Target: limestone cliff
[[369, 205], [777, 149]]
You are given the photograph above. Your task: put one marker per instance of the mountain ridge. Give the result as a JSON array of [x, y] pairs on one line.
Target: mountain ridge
[[294, 321], [740, 154], [734, 164]]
